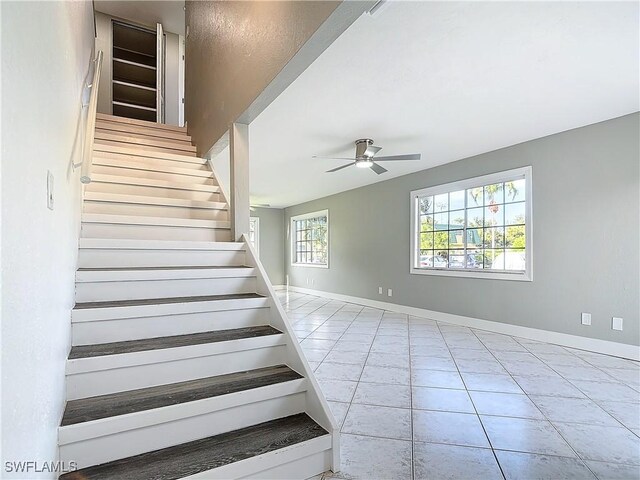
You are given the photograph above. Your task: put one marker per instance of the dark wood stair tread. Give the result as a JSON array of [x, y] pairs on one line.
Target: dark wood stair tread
[[157, 343], [205, 454], [122, 403], [185, 267], [164, 301]]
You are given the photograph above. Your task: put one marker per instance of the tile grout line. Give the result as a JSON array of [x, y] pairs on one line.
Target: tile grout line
[[568, 380], [493, 451], [491, 352], [534, 404]]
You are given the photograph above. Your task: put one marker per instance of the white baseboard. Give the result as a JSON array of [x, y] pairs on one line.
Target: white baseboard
[[574, 341]]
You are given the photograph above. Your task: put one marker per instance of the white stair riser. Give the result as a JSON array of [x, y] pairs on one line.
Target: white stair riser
[[118, 128], [98, 258], [122, 188], [141, 152], [141, 163], [147, 148], [131, 377], [163, 273], [103, 157], [117, 330], [105, 117], [133, 290], [167, 177], [133, 442], [116, 208], [101, 314], [142, 141], [153, 232], [304, 460]]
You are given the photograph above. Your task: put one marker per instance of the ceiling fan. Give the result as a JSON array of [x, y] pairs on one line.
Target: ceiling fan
[[365, 151]]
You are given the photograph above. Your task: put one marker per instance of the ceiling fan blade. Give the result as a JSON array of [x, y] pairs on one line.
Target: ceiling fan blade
[[333, 158], [339, 168], [378, 169], [414, 156], [372, 150]]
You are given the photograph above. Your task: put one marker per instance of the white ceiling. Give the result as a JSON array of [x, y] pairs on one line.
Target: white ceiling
[[169, 13], [448, 80]]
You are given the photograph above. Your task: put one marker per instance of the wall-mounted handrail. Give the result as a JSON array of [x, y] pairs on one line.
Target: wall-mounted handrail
[[87, 149]]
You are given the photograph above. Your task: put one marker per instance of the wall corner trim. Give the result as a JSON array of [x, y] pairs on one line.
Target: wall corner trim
[[606, 347]]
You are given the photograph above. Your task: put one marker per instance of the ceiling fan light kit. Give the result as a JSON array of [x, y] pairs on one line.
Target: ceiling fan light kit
[[365, 156], [364, 163]]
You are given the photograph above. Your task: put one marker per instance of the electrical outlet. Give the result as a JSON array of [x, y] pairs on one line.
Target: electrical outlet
[[586, 318], [49, 190], [380, 290], [389, 293], [616, 323]]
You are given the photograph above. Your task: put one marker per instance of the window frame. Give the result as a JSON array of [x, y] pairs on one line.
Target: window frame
[[256, 232], [480, 181], [292, 240]]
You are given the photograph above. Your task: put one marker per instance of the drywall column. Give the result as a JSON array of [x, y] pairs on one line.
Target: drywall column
[[239, 161]]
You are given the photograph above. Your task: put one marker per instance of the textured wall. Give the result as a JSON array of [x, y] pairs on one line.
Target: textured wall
[[46, 49], [585, 237], [234, 50]]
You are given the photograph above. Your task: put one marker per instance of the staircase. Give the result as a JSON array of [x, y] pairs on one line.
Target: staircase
[[183, 363]]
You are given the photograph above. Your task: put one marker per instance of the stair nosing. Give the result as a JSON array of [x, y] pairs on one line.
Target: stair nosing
[[152, 183], [172, 268], [114, 163], [148, 132], [146, 220], [87, 275], [134, 244], [176, 178], [153, 201], [144, 123], [182, 159], [164, 301], [143, 152], [125, 347], [126, 139], [144, 148]]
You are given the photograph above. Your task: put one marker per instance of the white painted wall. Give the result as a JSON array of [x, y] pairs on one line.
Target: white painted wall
[[46, 49], [172, 79], [222, 167]]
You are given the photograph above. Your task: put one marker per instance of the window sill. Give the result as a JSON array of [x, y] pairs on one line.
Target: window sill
[[312, 265], [483, 274]]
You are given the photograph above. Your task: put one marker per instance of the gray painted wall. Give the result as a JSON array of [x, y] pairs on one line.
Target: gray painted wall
[[585, 240], [272, 242]]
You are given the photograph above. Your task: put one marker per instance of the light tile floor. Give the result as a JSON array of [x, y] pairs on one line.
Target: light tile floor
[[420, 399]]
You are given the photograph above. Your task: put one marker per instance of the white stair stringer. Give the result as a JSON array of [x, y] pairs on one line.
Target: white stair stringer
[[316, 404], [166, 302]]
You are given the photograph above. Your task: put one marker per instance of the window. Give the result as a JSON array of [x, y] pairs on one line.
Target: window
[[310, 239], [254, 233], [480, 227]]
